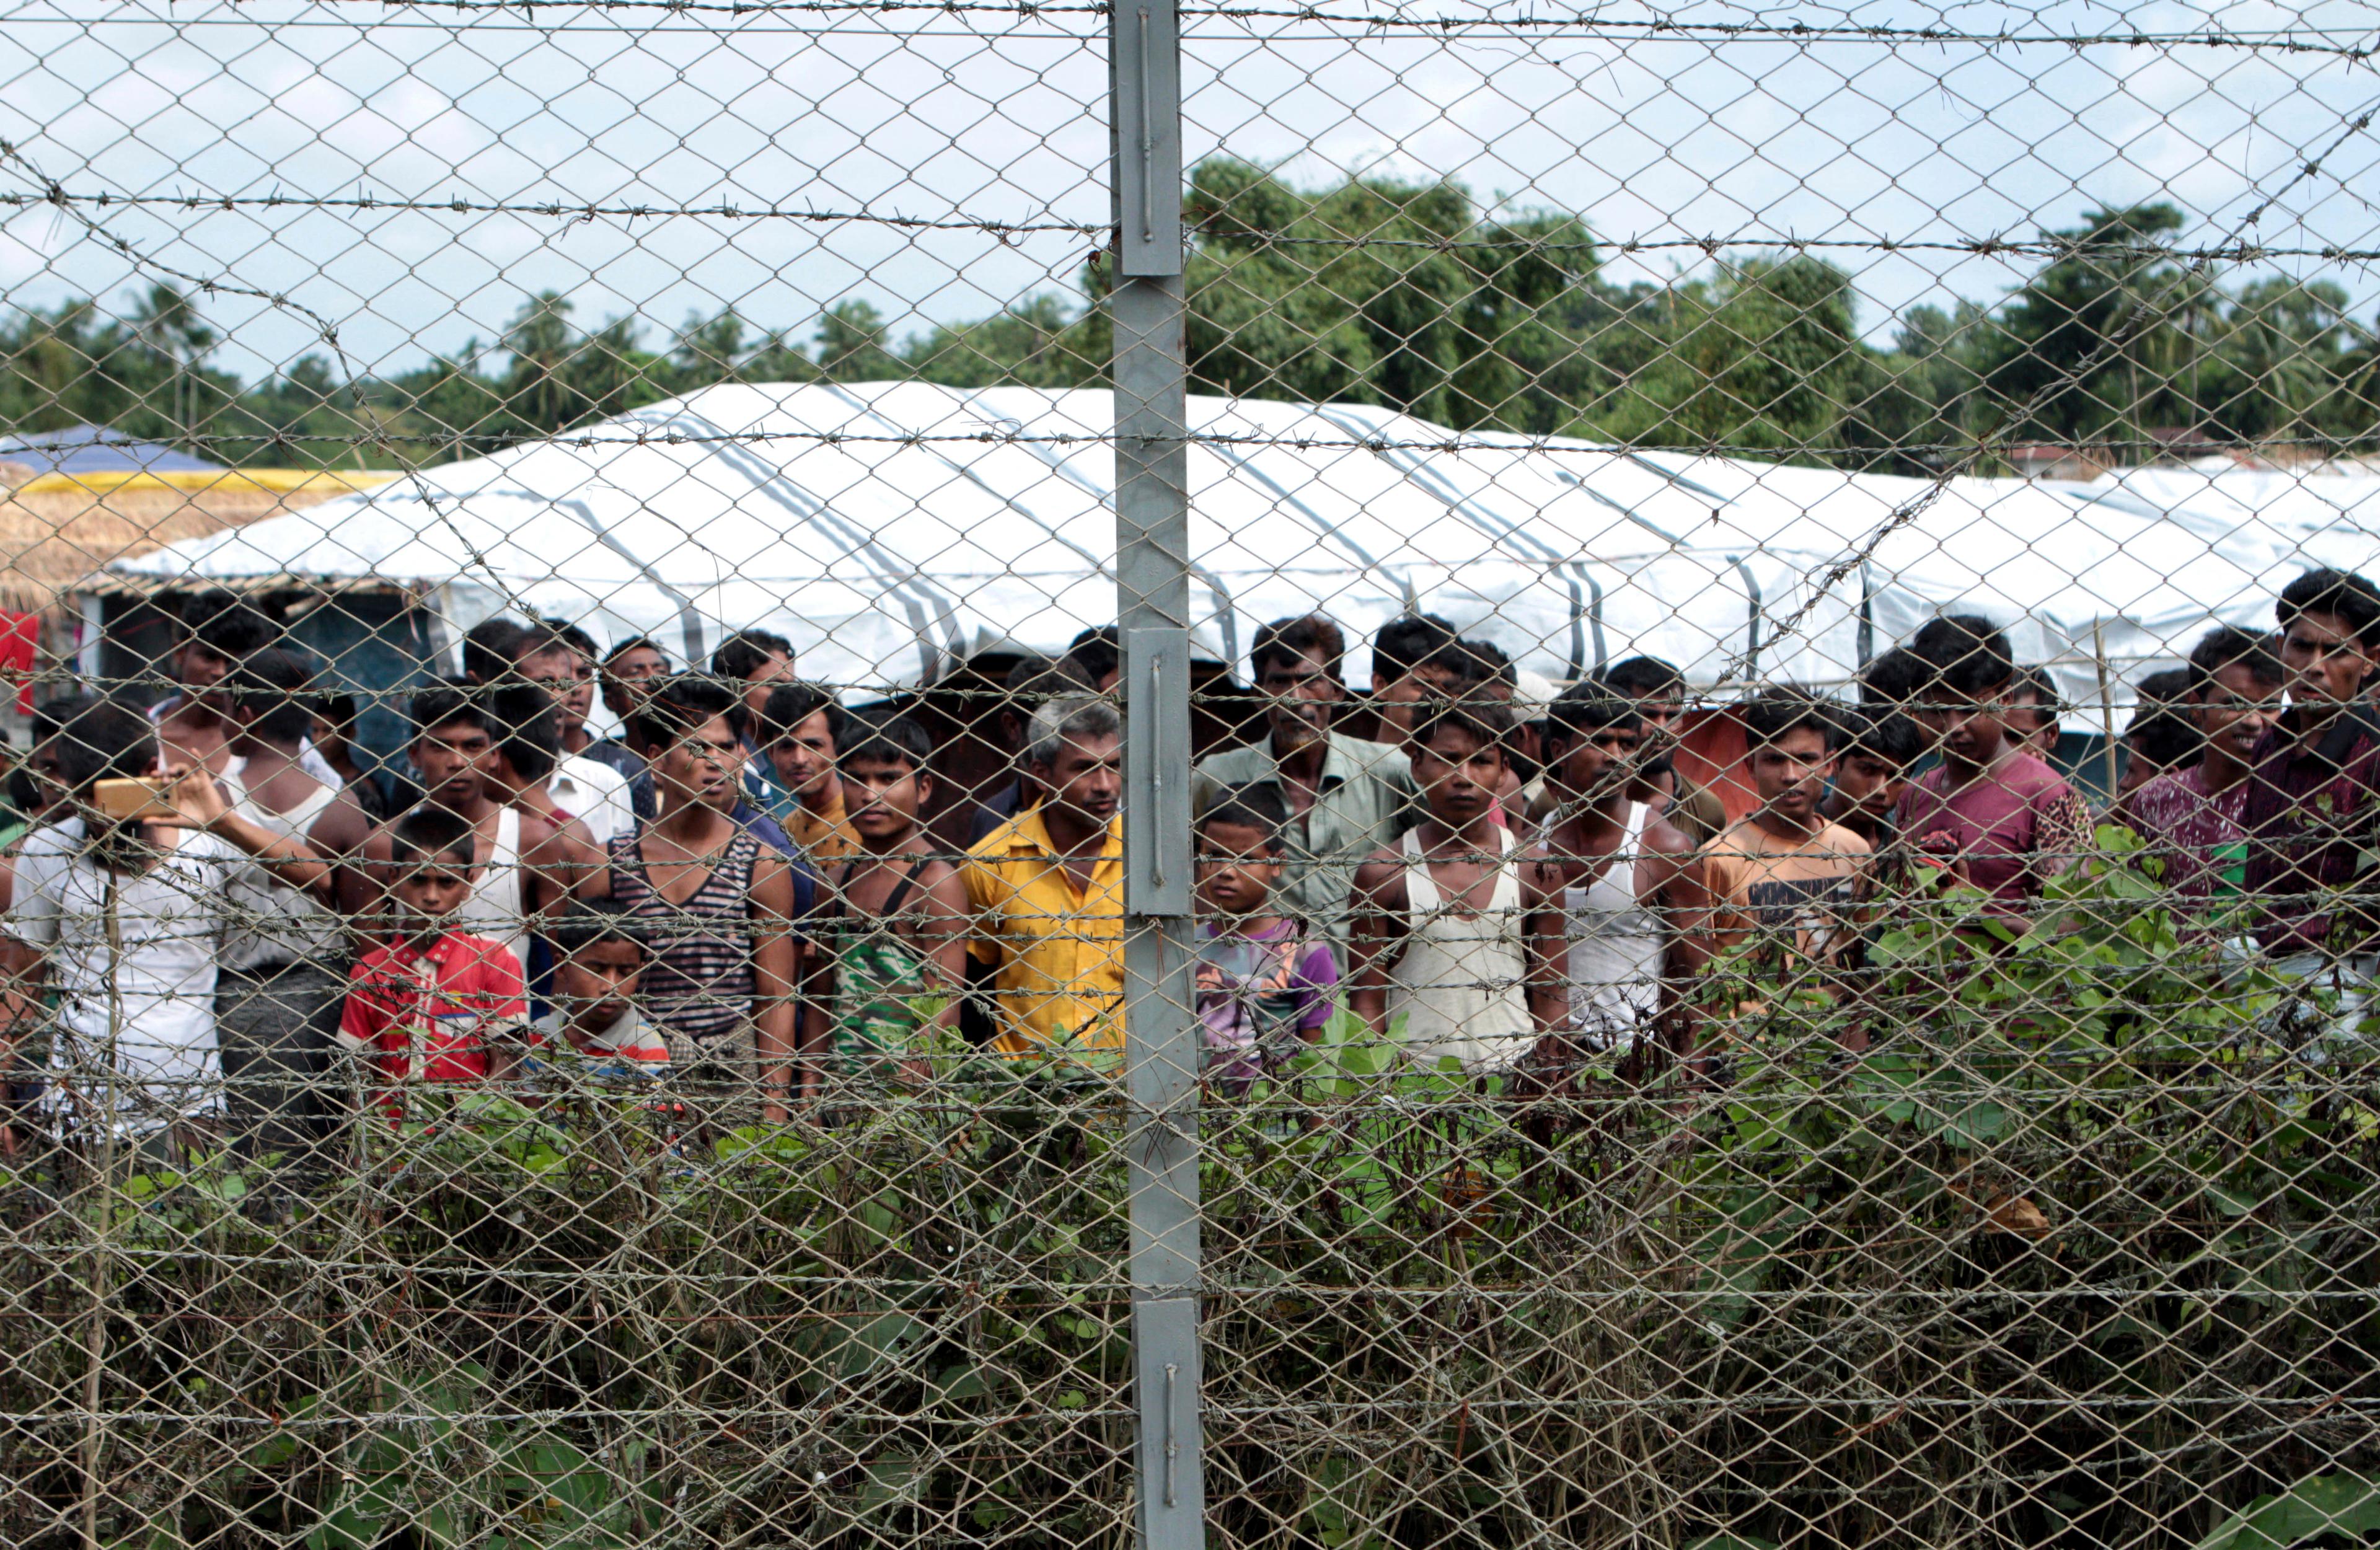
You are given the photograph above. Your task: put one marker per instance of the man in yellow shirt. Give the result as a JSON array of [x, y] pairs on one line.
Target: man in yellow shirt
[[1047, 890]]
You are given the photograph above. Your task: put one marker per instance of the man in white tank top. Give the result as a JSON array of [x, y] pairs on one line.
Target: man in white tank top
[[1621, 879], [283, 973], [526, 866], [1443, 920]]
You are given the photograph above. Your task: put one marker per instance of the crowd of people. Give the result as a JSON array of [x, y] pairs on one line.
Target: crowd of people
[[220, 928]]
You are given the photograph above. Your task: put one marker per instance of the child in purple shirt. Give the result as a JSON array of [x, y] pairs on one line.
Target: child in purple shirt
[[1264, 980]]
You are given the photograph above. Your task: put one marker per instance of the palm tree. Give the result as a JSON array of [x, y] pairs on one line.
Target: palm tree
[[167, 323]]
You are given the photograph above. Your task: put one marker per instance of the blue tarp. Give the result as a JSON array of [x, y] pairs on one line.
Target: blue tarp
[[91, 449]]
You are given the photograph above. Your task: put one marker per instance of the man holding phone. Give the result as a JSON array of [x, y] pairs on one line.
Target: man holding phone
[[128, 924]]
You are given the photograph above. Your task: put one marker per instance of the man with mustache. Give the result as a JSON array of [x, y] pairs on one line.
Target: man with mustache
[[1047, 892], [1346, 797]]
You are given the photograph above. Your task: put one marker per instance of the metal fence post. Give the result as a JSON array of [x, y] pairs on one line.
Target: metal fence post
[[1153, 612]]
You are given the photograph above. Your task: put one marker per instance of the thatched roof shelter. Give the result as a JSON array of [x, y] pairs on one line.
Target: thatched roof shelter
[[59, 532]]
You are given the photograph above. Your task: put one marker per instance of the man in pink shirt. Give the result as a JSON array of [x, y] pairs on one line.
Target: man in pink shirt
[[2191, 817], [1992, 807]]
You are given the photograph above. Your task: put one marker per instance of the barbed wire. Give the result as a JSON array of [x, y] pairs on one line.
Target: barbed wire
[[1496, 442], [2315, 40], [2049, 247]]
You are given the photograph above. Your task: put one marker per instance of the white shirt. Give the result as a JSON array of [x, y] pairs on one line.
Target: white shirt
[[274, 923], [50, 839], [594, 793], [174, 920], [495, 908], [311, 762]]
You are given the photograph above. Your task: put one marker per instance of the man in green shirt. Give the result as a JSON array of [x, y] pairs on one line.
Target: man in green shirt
[[1346, 797]]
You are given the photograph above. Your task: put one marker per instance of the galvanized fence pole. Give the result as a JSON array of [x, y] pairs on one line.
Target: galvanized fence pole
[[1153, 612]]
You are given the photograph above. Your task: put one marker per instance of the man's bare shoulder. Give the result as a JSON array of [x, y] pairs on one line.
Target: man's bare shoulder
[[344, 825], [1666, 839]]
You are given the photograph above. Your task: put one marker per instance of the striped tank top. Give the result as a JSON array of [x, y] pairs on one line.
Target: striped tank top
[[698, 984]]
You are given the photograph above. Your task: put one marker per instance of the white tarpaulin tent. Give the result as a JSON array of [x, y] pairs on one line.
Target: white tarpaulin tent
[[891, 528]]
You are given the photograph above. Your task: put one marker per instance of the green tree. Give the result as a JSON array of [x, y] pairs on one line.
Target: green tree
[[167, 325], [1354, 293], [1041, 342], [2282, 362], [1763, 358], [2100, 346], [713, 349], [68, 367], [852, 345]]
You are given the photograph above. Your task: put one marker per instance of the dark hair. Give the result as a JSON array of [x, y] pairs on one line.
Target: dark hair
[[2163, 735], [276, 686], [1965, 653], [1036, 678], [1591, 706], [1778, 711], [340, 710], [1893, 678], [894, 740], [789, 705], [1481, 662], [492, 648], [2345, 593], [2229, 646], [445, 704], [1487, 721], [226, 623], [1096, 652], [685, 702], [1404, 644], [1456, 662], [2035, 681], [1285, 640], [427, 833], [747, 653], [52, 716], [633, 643], [1035, 682], [540, 639], [2166, 686], [1885, 733], [569, 635], [584, 922], [97, 739], [528, 729], [1645, 678], [1253, 805]]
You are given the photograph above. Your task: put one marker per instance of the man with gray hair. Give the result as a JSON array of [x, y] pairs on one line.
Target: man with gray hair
[[1046, 887]]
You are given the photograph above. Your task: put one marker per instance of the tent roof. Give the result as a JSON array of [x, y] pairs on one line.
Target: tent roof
[[91, 449], [890, 527]]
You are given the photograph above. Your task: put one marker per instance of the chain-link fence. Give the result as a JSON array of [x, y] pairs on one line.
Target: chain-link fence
[[1735, 912]]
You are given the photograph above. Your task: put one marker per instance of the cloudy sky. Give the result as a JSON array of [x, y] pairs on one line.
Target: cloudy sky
[[1663, 137]]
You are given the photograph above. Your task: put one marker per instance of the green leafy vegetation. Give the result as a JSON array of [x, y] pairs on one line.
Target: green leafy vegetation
[[1407, 295], [2083, 1249]]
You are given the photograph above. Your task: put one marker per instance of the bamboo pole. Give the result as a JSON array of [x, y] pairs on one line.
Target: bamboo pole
[[2106, 703]]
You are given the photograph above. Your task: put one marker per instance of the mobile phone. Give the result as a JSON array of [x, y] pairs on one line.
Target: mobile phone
[[143, 797]]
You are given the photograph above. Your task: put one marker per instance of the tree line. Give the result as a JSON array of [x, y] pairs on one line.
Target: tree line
[[1407, 295]]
